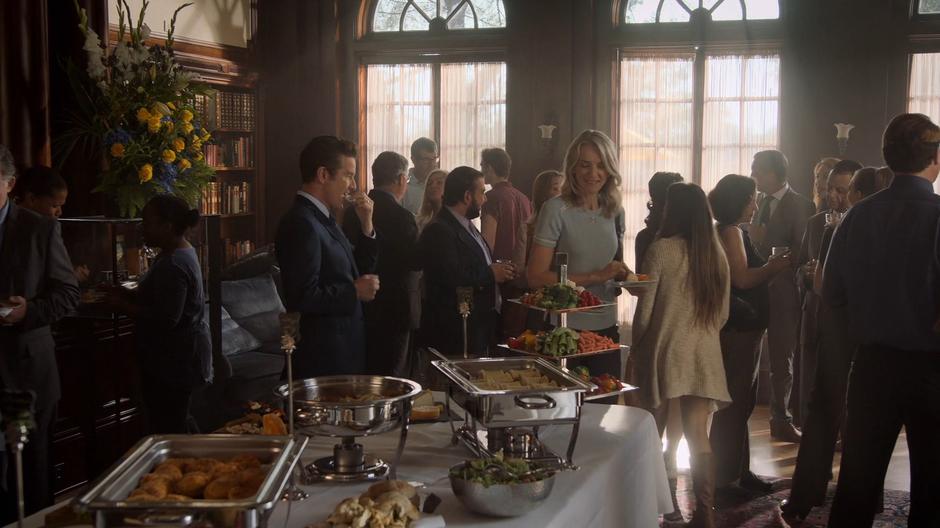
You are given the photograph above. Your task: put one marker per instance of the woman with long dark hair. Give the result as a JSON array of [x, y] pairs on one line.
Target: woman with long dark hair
[[658, 185], [676, 327], [733, 203], [173, 347]]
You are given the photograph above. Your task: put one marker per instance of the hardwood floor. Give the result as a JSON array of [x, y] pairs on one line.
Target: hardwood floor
[[778, 459]]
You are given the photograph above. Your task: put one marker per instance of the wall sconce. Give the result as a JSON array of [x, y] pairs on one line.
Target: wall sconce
[[547, 136], [842, 135]]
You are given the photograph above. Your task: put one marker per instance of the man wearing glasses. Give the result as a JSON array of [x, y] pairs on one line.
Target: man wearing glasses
[[424, 156]]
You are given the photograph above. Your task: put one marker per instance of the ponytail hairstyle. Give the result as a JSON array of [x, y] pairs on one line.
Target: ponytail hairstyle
[[176, 211], [688, 216]]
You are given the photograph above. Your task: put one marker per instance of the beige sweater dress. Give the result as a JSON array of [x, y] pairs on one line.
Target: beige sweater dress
[[674, 356]]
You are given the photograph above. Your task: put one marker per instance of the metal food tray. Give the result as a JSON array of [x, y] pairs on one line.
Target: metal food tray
[[515, 407], [550, 357], [565, 310], [107, 496], [626, 388]]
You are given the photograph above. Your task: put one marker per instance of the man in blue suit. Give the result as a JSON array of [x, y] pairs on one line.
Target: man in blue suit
[[325, 278]]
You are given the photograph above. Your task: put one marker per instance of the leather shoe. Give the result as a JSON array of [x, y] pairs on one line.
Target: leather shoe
[[752, 482], [785, 432]]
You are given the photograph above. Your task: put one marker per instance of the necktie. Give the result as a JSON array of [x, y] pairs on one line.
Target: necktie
[[763, 209]]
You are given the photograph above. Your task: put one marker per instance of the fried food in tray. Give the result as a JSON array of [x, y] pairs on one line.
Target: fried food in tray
[[498, 379], [186, 479]]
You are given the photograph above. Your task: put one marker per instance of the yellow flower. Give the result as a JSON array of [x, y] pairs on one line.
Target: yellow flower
[[153, 124], [143, 115], [187, 128], [169, 156], [186, 116], [171, 106], [169, 126], [199, 156], [205, 135], [197, 143], [179, 144], [145, 174], [117, 150], [185, 164]]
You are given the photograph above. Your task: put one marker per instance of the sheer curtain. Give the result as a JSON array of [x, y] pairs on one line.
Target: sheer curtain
[[473, 111], [923, 94], [399, 109], [742, 100], [656, 123]]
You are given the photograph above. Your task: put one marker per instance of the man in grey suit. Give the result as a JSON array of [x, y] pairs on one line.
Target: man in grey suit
[[780, 221], [37, 287]]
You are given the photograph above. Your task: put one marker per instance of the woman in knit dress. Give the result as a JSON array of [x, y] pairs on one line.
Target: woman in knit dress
[[676, 327]]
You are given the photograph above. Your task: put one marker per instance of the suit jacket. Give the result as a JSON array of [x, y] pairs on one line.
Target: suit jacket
[[318, 270], [451, 258], [34, 264], [397, 234], [787, 223]]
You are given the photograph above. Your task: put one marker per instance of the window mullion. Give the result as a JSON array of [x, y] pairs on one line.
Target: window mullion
[[436, 97], [698, 114]]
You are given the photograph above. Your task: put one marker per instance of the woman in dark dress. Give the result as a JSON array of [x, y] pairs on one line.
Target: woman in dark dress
[[173, 346], [733, 204], [658, 186]]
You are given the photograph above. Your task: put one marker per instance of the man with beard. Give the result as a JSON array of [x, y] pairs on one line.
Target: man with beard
[[454, 255]]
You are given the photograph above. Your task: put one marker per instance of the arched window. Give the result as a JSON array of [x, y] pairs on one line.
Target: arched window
[[658, 11], [928, 7], [437, 15], [436, 69]]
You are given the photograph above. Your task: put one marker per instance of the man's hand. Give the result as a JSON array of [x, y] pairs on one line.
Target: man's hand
[[363, 206], [367, 286], [19, 311], [503, 271]]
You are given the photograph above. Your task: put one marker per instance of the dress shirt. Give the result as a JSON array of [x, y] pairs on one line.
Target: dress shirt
[[772, 204], [414, 194], [3, 217], [883, 269], [323, 208]]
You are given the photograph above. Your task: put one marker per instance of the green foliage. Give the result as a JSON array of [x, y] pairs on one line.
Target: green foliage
[[136, 105]]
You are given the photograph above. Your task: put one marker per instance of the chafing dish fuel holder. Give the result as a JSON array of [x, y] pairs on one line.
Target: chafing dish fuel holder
[[507, 400]]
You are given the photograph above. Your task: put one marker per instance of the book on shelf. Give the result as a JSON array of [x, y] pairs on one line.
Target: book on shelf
[[227, 110], [226, 198], [236, 249], [231, 152]]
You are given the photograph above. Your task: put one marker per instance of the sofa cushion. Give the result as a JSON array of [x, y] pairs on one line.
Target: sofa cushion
[[235, 339], [255, 305]]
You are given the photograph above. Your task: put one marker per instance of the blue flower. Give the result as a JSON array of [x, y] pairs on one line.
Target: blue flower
[[166, 175], [118, 135]]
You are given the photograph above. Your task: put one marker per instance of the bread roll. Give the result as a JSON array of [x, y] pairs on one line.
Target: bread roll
[[425, 412]]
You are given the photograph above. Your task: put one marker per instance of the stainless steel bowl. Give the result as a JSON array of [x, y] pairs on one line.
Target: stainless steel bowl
[[501, 500], [319, 411]]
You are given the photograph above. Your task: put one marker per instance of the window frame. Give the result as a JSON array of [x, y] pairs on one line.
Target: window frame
[[421, 47]]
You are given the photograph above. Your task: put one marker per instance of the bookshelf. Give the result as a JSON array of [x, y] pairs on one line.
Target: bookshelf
[[231, 116]]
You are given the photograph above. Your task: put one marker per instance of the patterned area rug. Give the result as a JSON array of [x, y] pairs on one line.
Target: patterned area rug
[[754, 510]]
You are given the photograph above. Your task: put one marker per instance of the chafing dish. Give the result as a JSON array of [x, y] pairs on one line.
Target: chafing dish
[[508, 420], [320, 410], [107, 497]]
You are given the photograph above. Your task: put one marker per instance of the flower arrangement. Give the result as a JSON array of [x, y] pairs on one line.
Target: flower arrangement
[[137, 107]]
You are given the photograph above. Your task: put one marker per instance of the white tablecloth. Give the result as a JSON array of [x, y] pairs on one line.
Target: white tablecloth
[[621, 483]]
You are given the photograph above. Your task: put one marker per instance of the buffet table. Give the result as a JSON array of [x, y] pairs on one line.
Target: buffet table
[[622, 480]]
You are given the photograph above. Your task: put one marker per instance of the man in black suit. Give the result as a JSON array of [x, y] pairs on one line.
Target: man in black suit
[[322, 273], [454, 255], [388, 317], [37, 282], [780, 221]]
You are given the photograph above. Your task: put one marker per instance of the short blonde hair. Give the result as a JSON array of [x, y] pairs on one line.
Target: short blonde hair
[[609, 197]]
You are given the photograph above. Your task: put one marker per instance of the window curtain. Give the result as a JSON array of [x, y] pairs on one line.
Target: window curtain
[[924, 89], [741, 113], [656, 123], [399, 109], [473, 111]]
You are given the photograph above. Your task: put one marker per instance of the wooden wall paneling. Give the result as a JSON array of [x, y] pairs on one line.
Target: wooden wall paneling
[[24, 81]]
